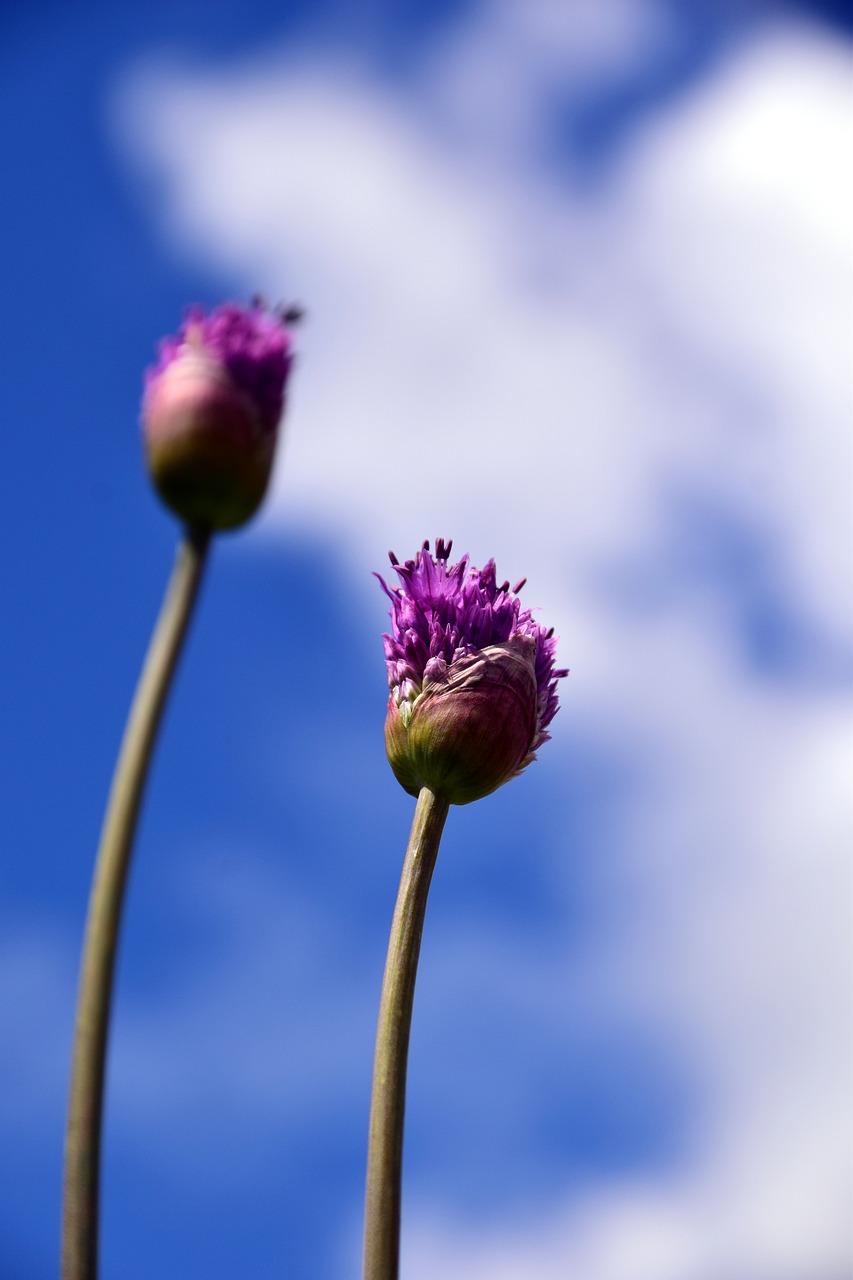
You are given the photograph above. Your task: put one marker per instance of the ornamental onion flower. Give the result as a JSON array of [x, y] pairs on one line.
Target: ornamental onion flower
[[210, 417], [472, 678], [473, 691], [211, 410]]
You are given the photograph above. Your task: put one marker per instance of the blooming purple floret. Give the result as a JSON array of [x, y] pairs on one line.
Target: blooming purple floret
[[443, 612], [252, 343]]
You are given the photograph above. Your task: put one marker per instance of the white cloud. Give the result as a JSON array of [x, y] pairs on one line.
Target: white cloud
[[541, 374], [36, 981], [684, 292], [493, 81], [278, 981], [741, 206]]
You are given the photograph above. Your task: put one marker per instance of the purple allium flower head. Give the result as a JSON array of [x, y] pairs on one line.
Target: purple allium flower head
[[211, 409], [472, 677]]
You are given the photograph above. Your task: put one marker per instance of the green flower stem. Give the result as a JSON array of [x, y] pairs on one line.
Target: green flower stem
[[85, 1104], [387, 1105]]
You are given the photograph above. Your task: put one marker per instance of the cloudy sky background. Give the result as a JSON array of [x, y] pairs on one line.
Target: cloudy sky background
[[579, 295]]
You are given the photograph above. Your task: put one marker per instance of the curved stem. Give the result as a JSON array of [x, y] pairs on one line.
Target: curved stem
[[388, 1100], [85, 1104]]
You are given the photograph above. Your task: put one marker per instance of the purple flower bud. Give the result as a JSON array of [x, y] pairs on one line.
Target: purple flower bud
[[472, 678], [210, 413]]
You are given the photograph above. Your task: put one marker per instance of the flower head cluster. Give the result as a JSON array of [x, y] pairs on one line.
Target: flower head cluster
[[472, 677], [252, 344], [211, 409]]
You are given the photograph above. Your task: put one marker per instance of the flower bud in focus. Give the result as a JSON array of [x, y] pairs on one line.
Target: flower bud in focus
[[211, 410], [471, 727], [472, 678]]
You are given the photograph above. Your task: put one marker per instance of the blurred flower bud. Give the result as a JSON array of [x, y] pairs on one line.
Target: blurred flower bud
[[211, 410], [472, 678]]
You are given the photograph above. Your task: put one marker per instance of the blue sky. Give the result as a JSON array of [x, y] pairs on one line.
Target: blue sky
[[578, 293]]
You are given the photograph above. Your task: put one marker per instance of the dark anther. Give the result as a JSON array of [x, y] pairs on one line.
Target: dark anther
[[292, 314], [518, 586], [504, 586], [393, 559]]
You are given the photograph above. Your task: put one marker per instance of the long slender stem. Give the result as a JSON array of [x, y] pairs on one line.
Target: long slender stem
[[85, 1104], [388, 1100]]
